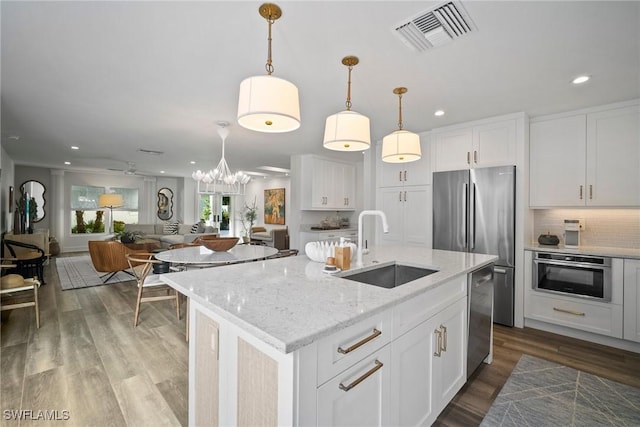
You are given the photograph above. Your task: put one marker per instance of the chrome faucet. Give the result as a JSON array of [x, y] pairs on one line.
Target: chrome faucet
[[385, 229]]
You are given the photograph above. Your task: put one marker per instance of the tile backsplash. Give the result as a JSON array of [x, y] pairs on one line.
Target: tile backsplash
[[603, 227]]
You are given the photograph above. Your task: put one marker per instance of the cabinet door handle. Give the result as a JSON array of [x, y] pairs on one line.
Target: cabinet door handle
[[575, 313], [438, 352], [468, 158], [581, 192], [375, 334], [590, 192], [444, 338], [405, 175], [400, 176], [400, 196], [405, 196], [364, 376], [475, 156]]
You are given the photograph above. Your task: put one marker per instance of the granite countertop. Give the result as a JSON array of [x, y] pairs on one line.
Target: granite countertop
[[290, 302], [632, 253]]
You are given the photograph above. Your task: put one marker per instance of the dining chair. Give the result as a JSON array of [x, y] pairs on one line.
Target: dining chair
[[27, 259], [141, 264], [14, 287]]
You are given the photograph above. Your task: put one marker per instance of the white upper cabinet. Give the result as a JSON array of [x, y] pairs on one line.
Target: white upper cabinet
[[327, 184], [557, 161], [483, 145], [613, 157], [587, 159]]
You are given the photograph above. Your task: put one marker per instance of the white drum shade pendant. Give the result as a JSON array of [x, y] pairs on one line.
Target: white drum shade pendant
[[347, 130], [266, 103], [401, 146]]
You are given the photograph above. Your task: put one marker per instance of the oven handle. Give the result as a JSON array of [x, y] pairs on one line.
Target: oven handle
[[573, 264]]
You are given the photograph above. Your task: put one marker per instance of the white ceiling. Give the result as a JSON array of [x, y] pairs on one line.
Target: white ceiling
[[114, 77]]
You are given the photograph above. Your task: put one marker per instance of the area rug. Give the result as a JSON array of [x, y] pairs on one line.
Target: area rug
[[541, 393], [78, 272]]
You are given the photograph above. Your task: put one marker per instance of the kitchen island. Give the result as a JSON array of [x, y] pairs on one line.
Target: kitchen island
[[280, 342]]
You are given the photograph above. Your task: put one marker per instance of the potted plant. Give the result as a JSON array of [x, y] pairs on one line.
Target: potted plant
[[128, 236], [249, 216]]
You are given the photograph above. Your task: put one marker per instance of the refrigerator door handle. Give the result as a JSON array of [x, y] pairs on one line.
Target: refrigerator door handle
[[465, 197], [499, 270], [472, 215]]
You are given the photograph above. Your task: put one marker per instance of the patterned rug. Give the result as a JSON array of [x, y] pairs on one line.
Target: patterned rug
[[541, 393], [78, 272]]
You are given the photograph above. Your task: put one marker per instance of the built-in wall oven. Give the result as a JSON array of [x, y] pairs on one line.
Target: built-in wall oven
[[583, 276]]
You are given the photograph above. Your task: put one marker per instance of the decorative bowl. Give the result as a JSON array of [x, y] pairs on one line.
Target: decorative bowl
[[320, 251], [221, 244]]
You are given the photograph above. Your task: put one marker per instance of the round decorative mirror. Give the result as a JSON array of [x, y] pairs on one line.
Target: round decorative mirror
[[35, 191], [165, 203]]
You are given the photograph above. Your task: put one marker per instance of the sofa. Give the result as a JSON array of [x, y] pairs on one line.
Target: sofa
[[157, 232], [276, 237]]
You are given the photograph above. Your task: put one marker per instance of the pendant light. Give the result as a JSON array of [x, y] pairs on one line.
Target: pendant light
[[267, 103], [401, 146], [221, 180], [347, 130]]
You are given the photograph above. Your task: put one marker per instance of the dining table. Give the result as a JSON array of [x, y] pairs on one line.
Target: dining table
[[202, 257]]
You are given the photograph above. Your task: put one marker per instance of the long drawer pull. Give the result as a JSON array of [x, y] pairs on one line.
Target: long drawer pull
[[575, 313], [375, 334], [363, 377], [438, 332], [444, 337]]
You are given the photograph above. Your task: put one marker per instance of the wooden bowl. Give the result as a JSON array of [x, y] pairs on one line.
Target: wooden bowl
[[221, 244]]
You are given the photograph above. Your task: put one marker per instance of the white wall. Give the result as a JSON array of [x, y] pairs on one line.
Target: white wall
[[255, 191]]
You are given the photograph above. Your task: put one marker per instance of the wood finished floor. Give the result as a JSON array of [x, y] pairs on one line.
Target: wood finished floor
[[88, 359]]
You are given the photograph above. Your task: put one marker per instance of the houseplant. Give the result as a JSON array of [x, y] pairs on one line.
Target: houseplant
[[248, 217], [128, 236]]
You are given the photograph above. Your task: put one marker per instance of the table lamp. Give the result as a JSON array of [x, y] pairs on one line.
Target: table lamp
[[110, 201]]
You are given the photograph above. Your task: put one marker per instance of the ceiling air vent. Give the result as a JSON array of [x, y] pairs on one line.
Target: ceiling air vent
[[436, 27]]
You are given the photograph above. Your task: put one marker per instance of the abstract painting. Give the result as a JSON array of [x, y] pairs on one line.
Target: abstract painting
[[274, 206]]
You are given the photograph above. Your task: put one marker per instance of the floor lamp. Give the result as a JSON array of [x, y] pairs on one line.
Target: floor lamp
[[110, 201]]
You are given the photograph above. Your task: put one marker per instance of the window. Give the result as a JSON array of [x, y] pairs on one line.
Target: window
[[216, 210], [88, 217]]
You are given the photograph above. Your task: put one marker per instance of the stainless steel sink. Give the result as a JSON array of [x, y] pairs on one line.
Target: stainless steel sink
[[389, 276]]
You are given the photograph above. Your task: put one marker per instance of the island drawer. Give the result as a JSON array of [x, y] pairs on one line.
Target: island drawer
[[599, 318], [411, 313], [348, 346]]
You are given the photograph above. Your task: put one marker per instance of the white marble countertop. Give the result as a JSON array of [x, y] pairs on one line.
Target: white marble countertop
[[632, 253], [290, 302]]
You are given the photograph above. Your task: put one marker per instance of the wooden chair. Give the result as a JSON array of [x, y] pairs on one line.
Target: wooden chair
[[110, 257], [141, 264], [27, 259], [16, 287]]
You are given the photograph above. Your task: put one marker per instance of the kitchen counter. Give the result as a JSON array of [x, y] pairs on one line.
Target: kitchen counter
[[631, 253], [290, 302]]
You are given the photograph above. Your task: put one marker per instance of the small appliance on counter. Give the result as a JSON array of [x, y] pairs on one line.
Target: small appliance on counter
[[548, 239], [571, 233]]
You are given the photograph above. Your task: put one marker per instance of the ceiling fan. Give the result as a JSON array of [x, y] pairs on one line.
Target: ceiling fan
[[130, 170]]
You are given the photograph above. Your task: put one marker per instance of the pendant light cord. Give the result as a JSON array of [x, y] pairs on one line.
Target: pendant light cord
[[348, 103], [269, 64], [399, 111]]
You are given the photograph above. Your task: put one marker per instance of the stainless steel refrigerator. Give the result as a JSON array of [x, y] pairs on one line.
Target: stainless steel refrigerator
[[474, 211]]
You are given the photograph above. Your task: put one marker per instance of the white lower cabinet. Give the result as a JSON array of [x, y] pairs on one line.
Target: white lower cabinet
[[428, 367], [632, 300], [358, 396], [398, 367]]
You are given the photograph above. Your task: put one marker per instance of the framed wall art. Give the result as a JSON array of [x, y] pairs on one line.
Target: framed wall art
[[274, 206]]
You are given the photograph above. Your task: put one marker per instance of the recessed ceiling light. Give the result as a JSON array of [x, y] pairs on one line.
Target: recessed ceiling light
[[192, 162], [439, 113], [73, 147], [161, 171], [580, 79], [67, 163]]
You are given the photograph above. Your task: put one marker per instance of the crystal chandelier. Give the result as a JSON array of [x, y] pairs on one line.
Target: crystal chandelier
[[221, 180]]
